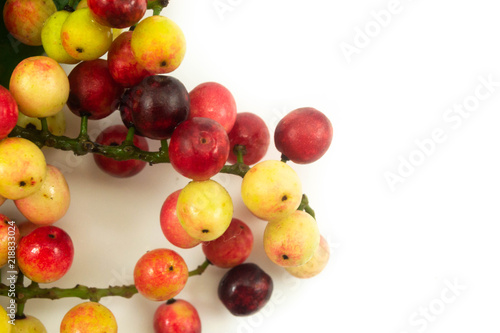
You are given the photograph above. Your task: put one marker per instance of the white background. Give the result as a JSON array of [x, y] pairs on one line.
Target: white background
[[395, 252]]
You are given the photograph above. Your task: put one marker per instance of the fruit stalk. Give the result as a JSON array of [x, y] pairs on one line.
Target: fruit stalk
[[33, 290]]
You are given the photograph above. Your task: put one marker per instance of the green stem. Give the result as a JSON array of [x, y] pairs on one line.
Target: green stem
[[200, 269], [157, 10], [239, 151], [82, 145], [84, 128], [129, 140], [45, 125], [304, 205], [23, 293]]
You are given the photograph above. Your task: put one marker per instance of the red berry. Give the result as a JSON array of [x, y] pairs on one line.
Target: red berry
[[114, 136], [117, 13], [45, 254], [232, 248], [93, 92], [176, 316], [250, 131], [213, 100], [303, 135], [123, 66], [199, 148], [8, 112]]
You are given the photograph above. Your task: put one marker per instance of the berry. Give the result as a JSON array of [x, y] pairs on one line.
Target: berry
[[271, 190], [303, 135], [213, 100], [249, 131], [291, 241], [45, 254], [117, 13], [170, 225], [50, 203], [158, 44], [160, 274], [122, 64], [232, 248], [22, 168], [157, 105], [24, 19], [93, 92], [9, 112], [176, 316], [83, 38], [199, 148], [89, 317], [245, 289], [113, 136], [204, 209], [40, 86]]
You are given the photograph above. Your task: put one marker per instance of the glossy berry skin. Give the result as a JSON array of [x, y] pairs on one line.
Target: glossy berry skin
[[213, 100], [303, 135], [157, 105], [232, 248], [199, 148], [176, 316], [250, 131], [93, 92], [113, 136], [9, 112], [160, 274], [45, 254], [245, 289], [171, 226], [122, 64], [117, 13]]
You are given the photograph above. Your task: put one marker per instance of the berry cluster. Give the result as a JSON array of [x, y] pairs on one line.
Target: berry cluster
[[201, 134]]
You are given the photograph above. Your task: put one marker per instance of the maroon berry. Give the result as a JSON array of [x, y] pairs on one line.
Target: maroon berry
[[245, 289], [157, 105]]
